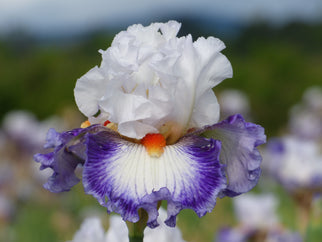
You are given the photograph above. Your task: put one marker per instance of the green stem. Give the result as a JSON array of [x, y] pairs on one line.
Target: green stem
[[136, 239], [136, 230]]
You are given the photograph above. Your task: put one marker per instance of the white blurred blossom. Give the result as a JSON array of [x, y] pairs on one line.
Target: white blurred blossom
[[233, 101], [257, 221], [24, 129], [256, 211], [92, 231], [306, 116], [296, 163]]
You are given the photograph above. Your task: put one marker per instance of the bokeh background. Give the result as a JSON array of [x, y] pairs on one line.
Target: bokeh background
[[275, 48]]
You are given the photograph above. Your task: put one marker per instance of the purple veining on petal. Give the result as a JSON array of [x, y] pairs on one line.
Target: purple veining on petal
[[196, 187], [68, 152], [239, 153]]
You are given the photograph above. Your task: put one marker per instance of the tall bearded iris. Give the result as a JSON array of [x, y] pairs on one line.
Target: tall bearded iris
[[152, 132]]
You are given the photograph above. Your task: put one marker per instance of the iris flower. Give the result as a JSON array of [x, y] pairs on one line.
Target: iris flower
[[153, 130]]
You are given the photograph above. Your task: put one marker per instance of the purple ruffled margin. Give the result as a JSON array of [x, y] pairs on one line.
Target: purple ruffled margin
[[103, 149], [239, 152], [68, 150], [237, 138]]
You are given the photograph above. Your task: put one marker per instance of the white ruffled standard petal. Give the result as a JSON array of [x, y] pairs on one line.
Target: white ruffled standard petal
[[123, 177], [209, 112], [150, 78], [89, 89], [134, 109], [199, 67], [214, 67]]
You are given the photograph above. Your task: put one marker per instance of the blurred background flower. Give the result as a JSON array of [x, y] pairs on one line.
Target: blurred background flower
[[45, 46], [294, 159], [92, 230], [234, 101], [295, 163], [306, 116], [257, 221]]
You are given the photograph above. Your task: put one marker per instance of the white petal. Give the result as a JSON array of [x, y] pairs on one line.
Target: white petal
[[128, 110], [155, 78], [214, 66], [170, 29], [88, 91], [206, 110]]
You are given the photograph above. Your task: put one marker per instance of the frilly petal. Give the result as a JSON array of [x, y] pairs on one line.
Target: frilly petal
[[215, 67], [206, 110], [68, 152], [239, 153], [200, 67], [134, 109], [170, 29], [123, 177], [149, 77], [86, 93]]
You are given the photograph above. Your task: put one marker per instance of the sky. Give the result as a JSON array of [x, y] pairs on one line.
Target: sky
[[59, 16]]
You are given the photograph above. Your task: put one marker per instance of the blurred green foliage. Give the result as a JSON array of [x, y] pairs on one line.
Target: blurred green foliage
[[41, 77]]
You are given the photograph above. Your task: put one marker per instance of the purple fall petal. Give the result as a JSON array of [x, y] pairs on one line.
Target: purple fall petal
[[124, 178], [68, 152], [239, 153]]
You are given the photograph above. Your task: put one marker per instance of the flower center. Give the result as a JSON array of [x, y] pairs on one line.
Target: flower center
[[154, 144]]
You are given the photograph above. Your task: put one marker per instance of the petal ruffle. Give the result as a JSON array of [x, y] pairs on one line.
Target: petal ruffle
[[239, 153], [137, 83], [87, 95], [68, 152], [124, 178]]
